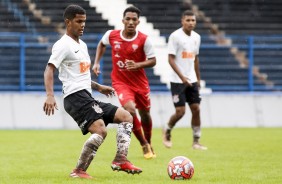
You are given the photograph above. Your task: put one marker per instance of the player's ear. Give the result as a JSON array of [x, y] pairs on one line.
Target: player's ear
[[67, 21]]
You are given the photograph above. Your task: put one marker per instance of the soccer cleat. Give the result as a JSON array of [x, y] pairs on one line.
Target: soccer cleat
[[125, 166], [147, 152], [198, 146], [80, 173], [167, 138]]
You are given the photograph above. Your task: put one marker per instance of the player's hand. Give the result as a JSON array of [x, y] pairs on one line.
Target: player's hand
[[186, 82], [131, 65], [106, 90], [50, 105], [199, 84], [96, 69]]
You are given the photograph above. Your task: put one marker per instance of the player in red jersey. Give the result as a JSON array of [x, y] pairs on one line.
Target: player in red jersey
[[132, 51]]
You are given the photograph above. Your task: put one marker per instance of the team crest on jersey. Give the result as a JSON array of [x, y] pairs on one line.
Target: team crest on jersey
[[175, 98], [97, 108], [134, 47]]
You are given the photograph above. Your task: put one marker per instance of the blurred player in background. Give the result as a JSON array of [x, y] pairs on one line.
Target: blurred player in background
[[132, 51], [183, 50], [70, 56]]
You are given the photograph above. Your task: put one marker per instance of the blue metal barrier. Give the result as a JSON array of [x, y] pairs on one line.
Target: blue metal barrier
[[25, 41]]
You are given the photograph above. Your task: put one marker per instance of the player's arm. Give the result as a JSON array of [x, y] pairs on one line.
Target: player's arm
[[106, 90], [50, 104], [101, 49], [171, 60], [148, 63], [132, 65], [197, 70]]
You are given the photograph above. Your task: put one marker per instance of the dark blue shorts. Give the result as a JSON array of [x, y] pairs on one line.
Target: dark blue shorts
[[84, 109], [182, 94]]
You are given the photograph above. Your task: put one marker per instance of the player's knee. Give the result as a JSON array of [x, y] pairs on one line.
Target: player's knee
[[145, 117], [195, 110], [180, 113], [125, 116], [99, 128]]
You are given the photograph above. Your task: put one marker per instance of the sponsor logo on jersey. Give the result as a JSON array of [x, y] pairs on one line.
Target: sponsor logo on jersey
[[84, 66], [188, 55], [117, 45]]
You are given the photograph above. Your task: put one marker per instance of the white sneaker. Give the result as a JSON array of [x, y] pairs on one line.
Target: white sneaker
[[198, 146]]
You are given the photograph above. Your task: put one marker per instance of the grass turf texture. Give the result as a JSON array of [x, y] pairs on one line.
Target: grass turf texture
[[235, 155]]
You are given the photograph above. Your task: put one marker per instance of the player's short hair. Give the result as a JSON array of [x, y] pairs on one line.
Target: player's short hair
[[72, 10], [133, 9], [188, 13]]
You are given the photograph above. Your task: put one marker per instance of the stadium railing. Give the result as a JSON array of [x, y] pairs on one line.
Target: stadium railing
[[21, 42]]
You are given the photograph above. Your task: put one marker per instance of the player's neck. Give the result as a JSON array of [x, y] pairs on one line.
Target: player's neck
[[128, 35], [75, 38], [187, 32]]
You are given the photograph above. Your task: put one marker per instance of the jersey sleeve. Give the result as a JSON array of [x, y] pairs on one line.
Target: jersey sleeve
[[149, 49], [172, 45], [105, 39], [59, 53]]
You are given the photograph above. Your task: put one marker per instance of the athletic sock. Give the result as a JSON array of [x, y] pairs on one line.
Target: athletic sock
[[147, 128], [138, 131], [89, 151], [196, 133], [123, 140], [167, 127]]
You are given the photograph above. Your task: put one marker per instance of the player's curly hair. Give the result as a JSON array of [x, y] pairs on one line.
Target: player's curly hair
[[71, 11], [133, 9]]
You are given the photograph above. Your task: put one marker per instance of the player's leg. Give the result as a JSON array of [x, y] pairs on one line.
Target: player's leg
[[147, 125], [127, 100], [179, 100], [174, 118], [87, 113], [98, 133], [124, 120], [143, 104], [137, 130], [193, 99]]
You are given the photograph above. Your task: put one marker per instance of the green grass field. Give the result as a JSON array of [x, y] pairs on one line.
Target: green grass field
[[235, 155]]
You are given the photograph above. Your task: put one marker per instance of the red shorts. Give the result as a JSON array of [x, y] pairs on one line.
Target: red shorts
[[141, 97]]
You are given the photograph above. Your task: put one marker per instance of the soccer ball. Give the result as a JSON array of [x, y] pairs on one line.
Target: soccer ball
[[180, 168]]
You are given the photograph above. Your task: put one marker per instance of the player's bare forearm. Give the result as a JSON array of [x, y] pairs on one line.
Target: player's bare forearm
[[49, 79], [101, 48], [50, 103], [106, 90], [132, 65]]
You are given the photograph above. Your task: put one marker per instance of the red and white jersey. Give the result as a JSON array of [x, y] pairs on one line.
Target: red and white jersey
[[138, 49]]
